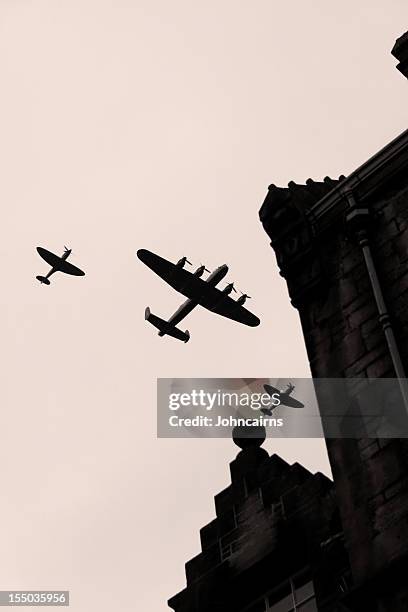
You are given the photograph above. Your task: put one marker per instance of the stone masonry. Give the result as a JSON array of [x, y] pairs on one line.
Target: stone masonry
[[319, 256]]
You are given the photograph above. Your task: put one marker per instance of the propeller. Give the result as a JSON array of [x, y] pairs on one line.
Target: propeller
[[67, 249], [205, 269], [228, 288], [245, 295], [181, 262]]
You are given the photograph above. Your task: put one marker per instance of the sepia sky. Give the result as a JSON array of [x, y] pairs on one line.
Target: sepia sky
[[159, 125]]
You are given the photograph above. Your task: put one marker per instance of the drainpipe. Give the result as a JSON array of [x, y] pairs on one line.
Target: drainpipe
[[357, 218]]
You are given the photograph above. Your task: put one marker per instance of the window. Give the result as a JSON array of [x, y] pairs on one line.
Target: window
[[299, 597], [295, 595]]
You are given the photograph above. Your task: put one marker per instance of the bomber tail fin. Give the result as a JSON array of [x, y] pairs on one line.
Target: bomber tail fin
[[43, 280], [165, 328]]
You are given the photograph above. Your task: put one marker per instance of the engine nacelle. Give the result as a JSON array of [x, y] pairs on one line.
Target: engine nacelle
[[200, 271], [182, 262], [227, 290]]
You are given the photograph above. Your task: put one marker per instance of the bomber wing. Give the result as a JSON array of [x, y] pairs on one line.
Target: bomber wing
[[180, 279], [222, 304]]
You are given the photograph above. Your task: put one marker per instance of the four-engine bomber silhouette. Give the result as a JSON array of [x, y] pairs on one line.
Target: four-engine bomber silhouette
[[198, 292], [58, 264]]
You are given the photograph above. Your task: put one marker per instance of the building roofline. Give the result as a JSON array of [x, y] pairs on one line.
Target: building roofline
[[366, 178]]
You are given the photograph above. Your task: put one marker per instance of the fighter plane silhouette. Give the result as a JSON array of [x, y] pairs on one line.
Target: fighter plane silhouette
[[58, 264], [285, 398]]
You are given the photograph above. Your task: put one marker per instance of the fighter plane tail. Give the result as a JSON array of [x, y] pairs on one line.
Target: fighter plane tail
[[165, 328], [43, 279]]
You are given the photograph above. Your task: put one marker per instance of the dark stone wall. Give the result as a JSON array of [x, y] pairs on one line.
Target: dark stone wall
[[328, 283], [273, 520]]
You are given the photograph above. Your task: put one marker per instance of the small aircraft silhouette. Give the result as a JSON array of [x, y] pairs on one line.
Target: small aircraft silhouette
[[285, 397], [58, 264], [198, 292]]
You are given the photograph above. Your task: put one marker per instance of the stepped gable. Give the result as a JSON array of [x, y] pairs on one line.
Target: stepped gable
[[268, 504], [400, 52]]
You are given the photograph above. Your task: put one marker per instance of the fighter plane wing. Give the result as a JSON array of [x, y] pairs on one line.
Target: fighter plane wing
[[196, 289], [286, 400], [69, 268], [58, 263], [271, 390], [50, 258]]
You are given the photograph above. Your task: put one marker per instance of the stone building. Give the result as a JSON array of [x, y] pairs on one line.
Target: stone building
[[275, 544], [342, 246], [400, 51], [343, 249]]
